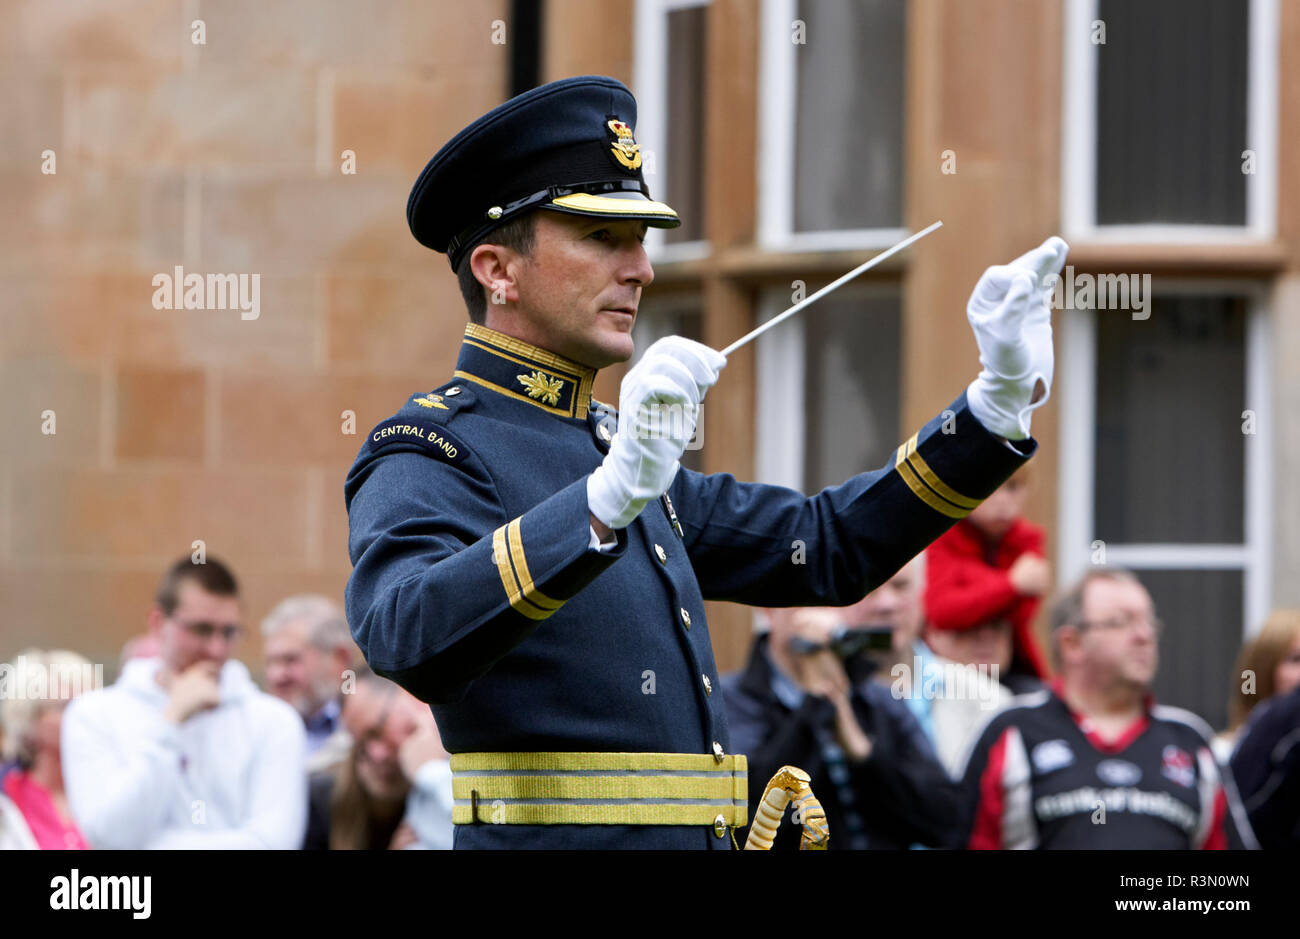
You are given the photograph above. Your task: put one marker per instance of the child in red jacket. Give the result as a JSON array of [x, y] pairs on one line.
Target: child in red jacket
[[985, 579]]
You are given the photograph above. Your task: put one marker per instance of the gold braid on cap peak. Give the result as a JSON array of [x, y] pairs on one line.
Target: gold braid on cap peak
[[790, 784]]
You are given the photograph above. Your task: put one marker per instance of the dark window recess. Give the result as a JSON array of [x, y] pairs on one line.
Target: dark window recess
[[1170, 453], [1202, 611], [525, 41], [1171, 112], [848, 130], [851, 375], [685, 157]]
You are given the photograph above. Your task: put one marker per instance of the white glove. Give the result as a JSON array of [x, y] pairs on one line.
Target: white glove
[[659, 402], [1010, 312]]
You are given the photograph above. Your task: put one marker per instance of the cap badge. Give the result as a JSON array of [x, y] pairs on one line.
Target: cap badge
[[542, 386], [624, 149]]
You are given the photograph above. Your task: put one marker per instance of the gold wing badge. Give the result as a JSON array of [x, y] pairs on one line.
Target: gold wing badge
[[790, 784], [624, 147], [542, 386]]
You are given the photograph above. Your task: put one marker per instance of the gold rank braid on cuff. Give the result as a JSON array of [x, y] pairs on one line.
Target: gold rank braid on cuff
[[516, 580], [789, 784], [926, 484]]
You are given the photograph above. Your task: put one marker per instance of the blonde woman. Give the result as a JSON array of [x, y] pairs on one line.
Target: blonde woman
[[1271, 664], [35, 812]]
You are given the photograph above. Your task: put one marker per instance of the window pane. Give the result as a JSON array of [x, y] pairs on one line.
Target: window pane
[[1170, 451], [685, 168], [1171, 112], [1202, 612], [849, 116], [851, 348]]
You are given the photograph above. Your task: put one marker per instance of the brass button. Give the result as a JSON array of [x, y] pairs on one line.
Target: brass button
[[603, 430], [708, 685], [720, 826], [452, 391], [686, 618], [661, 554], [717, 752]]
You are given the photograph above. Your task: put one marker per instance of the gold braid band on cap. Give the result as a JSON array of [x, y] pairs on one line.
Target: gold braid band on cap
[[790, 784]]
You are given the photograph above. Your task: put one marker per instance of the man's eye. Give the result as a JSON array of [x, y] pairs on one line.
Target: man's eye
[[600, 234]]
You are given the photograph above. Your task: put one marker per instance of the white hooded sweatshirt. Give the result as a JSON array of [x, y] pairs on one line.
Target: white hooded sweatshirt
[[229, 777]]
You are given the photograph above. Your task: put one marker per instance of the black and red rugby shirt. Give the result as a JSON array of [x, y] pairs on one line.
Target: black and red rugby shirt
[[1039, 777]]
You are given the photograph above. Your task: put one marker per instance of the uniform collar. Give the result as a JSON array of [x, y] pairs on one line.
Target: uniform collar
[[514, 368]]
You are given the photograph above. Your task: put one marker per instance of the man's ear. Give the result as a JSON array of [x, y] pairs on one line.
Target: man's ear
[[493, 266], [154, 620], [1068, 638]]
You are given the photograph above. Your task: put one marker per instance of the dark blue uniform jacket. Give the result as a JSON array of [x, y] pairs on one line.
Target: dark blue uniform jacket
[[475, 587]]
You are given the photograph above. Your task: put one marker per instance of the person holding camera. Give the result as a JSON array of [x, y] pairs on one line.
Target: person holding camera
[[806, 699]]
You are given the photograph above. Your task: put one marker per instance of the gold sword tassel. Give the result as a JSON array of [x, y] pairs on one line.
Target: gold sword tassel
[[790, 784]]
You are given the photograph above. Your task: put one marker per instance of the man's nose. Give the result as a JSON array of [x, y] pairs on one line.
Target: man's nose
[[638, 269], [888, 604]]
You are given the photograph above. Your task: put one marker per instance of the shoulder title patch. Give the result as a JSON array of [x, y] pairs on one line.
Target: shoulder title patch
[[424, 434]]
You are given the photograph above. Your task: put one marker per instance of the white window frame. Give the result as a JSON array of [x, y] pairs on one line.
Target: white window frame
[[1076, 472], [780, 424], [780, 420], [650, 78], [778, 74], [1079, 138]]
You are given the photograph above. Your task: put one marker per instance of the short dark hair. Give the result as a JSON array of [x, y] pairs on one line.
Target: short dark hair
[[212, 577], [518, 234]]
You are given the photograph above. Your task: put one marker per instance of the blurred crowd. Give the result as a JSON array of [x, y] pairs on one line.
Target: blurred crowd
[[184, 750], [926, 714]]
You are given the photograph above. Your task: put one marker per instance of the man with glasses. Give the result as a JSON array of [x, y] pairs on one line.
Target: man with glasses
[[308, 650], [1092, 761], [184, 751]]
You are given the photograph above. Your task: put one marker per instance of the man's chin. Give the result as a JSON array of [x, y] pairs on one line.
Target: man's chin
[[1139, 680], [608, 348]]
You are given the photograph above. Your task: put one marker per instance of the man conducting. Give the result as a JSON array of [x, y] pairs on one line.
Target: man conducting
[[540, 579]]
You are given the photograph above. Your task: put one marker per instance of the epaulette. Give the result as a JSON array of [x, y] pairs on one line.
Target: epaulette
[[421, 426]]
